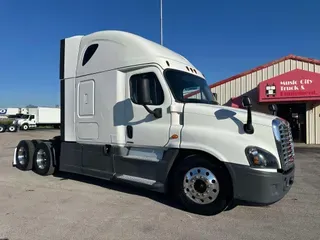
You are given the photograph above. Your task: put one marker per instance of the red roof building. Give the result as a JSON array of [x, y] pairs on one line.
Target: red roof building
[[291, 82]]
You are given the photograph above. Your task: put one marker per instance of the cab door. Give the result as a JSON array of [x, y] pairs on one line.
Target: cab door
[[143, 128], [32, 120]]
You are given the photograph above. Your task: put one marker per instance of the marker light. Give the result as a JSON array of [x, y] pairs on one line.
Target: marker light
[[174, 136]]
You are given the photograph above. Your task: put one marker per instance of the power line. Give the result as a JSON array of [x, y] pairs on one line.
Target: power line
[[161, 24]]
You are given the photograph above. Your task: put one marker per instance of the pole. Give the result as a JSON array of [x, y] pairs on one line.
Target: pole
[[161, 24]]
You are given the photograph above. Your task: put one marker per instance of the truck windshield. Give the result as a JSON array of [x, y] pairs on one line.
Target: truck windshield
[[188, 88], [24, 116]]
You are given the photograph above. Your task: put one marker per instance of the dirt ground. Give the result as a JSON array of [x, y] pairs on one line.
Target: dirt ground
[[74, 207]]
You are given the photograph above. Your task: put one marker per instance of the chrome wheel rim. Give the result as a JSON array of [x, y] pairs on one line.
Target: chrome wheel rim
[[1, 129], [22, 156], [41, 159], [25, 127], [11, 129], [201, 185]]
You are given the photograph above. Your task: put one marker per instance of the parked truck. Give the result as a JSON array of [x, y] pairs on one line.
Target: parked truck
[[6, 125], [6, 118], [37, 117], [125, 117]]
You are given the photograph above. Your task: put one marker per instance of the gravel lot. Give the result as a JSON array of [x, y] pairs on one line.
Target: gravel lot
[[74, 207]]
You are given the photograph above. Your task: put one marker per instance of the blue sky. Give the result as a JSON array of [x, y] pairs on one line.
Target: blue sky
[[221, 38]]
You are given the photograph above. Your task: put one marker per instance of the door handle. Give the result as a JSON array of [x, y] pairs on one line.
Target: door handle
[[129, 131]]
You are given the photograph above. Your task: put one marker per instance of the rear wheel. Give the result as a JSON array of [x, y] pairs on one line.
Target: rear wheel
[[201, 185], [43, 159], [37, 141], [2, 128], [12, 128], [24, 155]]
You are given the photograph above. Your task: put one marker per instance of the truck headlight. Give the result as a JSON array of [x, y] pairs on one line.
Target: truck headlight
[[260, 158], [275, 128]]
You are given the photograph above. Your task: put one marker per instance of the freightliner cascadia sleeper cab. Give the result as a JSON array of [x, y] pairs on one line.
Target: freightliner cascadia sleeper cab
[[127, 114]]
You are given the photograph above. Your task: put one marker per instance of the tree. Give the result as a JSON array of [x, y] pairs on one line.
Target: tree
[[31, 106]]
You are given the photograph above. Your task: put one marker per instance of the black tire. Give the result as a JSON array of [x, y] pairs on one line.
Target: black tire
[[45, 151], [57, 138], [25, 127], [2, 128], [37, 141], [12, 128], [224, 193], [25, 152]]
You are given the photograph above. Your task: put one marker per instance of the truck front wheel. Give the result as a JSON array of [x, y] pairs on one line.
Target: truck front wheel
[[201, 185], [25, 127]]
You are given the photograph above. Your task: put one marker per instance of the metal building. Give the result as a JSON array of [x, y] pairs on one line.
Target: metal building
[[292, 82]]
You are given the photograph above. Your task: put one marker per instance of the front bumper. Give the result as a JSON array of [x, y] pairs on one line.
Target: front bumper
[[255, 186]]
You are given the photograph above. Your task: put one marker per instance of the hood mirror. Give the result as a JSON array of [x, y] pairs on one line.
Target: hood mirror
[[248, 127], [273, 109], [215, 96], [246, 102]]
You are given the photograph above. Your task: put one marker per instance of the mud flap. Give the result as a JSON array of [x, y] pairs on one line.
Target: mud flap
[[14, 163]]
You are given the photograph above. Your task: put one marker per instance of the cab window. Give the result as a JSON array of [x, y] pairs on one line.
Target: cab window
[[156, 91]]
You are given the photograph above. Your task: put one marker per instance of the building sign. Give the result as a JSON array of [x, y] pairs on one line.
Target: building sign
[[296, 85], [3, 111]]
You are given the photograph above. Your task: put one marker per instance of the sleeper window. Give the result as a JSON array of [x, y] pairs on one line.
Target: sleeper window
[[89, 53], [156, 92]]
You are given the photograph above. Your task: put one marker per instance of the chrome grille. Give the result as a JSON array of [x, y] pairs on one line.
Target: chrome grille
[[287, 148]]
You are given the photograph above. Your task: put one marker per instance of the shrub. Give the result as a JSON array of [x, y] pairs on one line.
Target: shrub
[[6, 121]]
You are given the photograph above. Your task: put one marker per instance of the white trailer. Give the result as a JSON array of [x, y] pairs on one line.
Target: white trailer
[[124, 117], [45, 116], [39, 116]]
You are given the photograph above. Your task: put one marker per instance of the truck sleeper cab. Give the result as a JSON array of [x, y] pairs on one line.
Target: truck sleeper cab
[[135, 111]]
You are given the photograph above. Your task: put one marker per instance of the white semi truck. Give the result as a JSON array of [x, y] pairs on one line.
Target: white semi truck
[[124, 117], [37, 117]]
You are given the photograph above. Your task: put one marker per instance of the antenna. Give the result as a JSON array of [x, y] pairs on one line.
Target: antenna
[[161, 24]]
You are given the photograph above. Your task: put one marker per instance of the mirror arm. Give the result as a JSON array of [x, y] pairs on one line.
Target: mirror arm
[[148, 109], [248, 127], [249, 118], [157, 113]]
